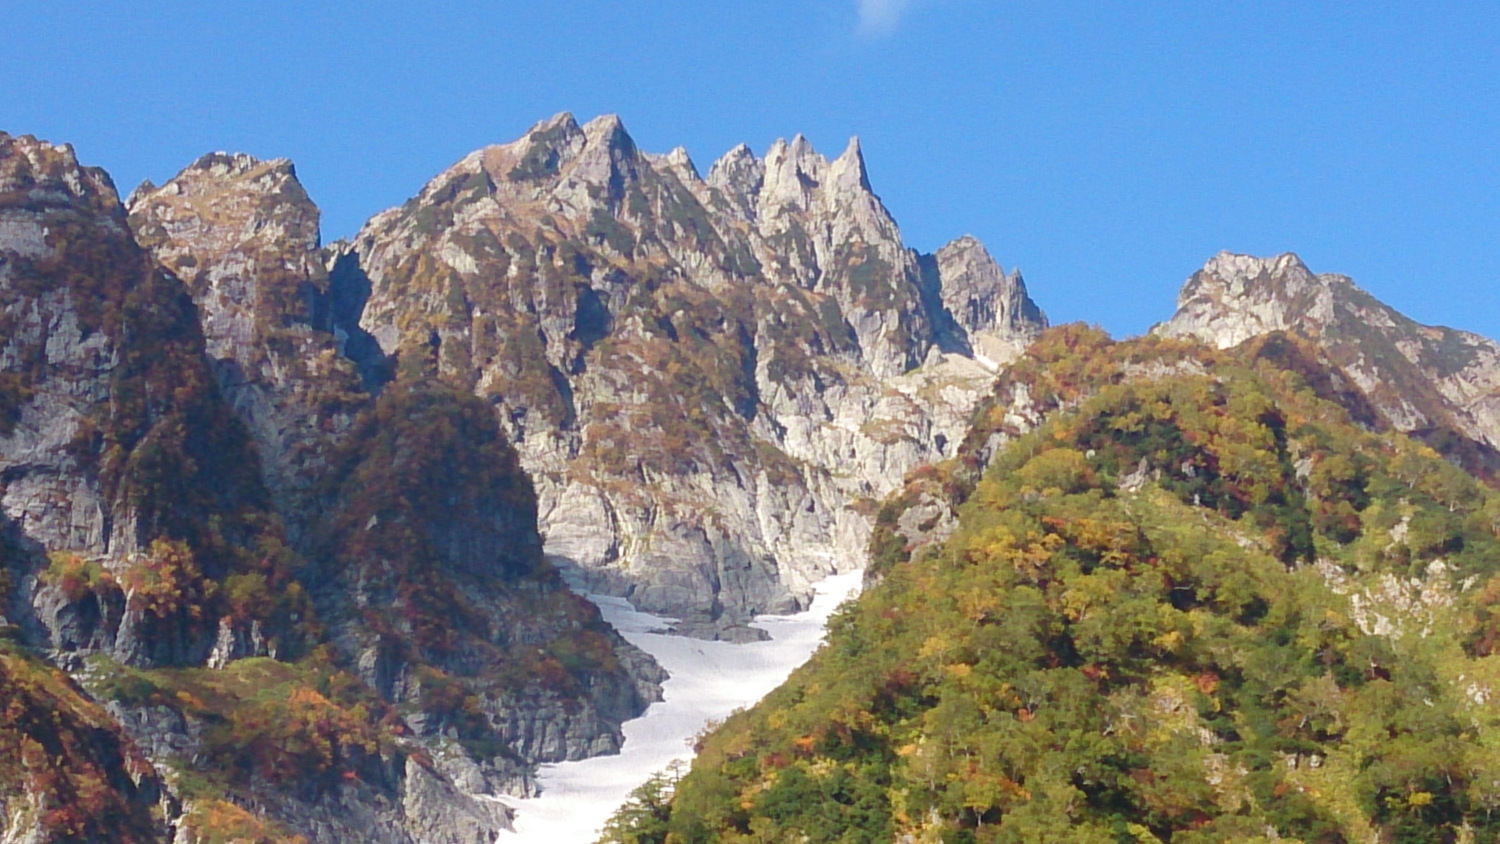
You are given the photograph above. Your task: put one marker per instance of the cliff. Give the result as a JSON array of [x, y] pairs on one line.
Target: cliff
[[195, 471], [709, 378]]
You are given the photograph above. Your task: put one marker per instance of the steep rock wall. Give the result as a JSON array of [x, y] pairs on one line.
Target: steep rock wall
[[710, 379]]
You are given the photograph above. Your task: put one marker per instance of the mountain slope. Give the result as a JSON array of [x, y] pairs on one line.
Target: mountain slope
[[709, 378], [1439, 384], [242, 235], [1199, 603], [117, 446]]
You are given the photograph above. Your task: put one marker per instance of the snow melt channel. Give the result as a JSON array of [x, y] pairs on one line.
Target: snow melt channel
[[709, 680]]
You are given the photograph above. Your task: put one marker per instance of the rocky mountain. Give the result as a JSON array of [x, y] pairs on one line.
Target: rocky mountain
[[1191, 595], [243, 236], [286, 529], [296, 604], [116, 446], [710, 379], [236, 462], [1439, 384]]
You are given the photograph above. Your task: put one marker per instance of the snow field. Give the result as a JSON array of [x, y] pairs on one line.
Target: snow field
[[709, 680]]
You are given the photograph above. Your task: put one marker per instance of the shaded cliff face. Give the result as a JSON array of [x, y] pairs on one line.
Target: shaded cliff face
[[707, 377], [433, 576], [1199, 601], [118, 456], [160, 412], [1436, 383]]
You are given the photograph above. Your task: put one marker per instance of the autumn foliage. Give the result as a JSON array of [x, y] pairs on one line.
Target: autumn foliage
[[1200, 602]]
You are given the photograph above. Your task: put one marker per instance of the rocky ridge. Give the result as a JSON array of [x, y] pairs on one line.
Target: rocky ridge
[[243, 237], [116, 446], [187, 435], [709, 378], [1438, 384]]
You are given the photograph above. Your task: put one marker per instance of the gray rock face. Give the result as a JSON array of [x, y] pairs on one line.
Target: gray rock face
[[104, 395], [989, 306], [1431, 381], [710, 379], [115, 364], [56, 362], [243, 236]]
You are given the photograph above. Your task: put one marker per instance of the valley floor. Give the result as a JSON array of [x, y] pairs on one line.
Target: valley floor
[[708, 681]]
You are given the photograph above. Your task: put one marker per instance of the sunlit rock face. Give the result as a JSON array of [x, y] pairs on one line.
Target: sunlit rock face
[[710, 378], [113, 435], [1437, 383]]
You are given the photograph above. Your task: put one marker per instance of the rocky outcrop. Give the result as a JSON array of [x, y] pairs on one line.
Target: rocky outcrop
[[58, 356], [1439, 384], [243, 236], [412, 797], [710, 378], [432, 575], [116, 449], [163, 414]]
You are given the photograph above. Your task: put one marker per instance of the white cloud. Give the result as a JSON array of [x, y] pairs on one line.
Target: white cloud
[[879, 17]]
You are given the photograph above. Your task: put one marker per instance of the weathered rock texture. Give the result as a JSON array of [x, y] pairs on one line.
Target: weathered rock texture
[[243, 236], [115, 445], [710, 379], [1439, 384], [195, 470], [433, 575]]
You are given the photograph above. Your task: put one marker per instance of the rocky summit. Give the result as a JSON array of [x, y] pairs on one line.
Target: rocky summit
[[293, 520], [710, 379], [1439, 384]]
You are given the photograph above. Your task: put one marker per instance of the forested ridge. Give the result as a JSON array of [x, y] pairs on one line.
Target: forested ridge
[[1209, 598]]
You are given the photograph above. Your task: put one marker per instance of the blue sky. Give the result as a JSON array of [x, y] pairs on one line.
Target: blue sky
[[1107, 148]]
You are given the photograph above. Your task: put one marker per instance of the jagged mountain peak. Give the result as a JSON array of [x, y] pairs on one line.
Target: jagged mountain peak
[[225, 201], [223, 164], [795, 170], [984, 300], [631, 321], [561, 123], [1235, 275], [739, 174], [1227, 264], [220, 171], [1235, 297], [679, 163], [37, 175], [216, 173], [848, 170], [964, 243], [610, 129]]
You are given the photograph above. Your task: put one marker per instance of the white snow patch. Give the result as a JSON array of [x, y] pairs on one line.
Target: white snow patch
[[709, 680]]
